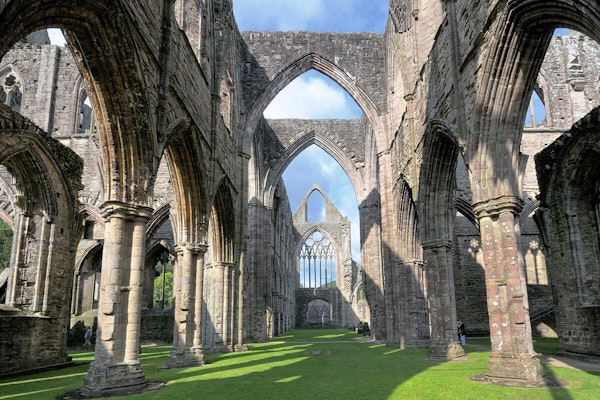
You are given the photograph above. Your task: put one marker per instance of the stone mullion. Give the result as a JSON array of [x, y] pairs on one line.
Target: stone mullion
[[17, 258], [512, 359], [442, 307], [42, 266], [116, 366]]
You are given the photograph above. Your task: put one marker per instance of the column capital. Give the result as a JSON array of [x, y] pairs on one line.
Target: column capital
[[124, 210], [195, 248], [498, 205], [223, 264], [436, 243]]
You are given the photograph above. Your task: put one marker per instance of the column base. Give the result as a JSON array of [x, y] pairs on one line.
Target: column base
[[114, 379], [185, 357], [445, 351], [524, 370], [240, 347]]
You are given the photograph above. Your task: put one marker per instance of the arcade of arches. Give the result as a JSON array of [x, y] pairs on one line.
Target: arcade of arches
[[138, 153]]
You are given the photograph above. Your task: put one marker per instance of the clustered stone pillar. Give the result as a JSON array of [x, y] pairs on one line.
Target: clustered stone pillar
[[116, 367], [187, 336], [512, 360], [442, 303], [373, 268]]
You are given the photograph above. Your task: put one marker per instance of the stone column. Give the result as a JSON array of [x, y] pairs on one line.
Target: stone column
[[442, 303], [187, 349], [512, 360], [373, 269], [198, 304], [116, 368], [226, 315]]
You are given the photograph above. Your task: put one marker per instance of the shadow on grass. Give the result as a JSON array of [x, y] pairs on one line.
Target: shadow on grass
[[328, 368]]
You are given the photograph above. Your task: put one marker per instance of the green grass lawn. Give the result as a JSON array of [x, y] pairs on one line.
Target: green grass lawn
[[317, 364]]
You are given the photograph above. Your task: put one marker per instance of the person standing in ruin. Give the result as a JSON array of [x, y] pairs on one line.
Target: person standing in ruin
[[88, 337], [462, 333]]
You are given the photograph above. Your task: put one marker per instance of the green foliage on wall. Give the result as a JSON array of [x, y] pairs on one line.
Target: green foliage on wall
[[6, 235]]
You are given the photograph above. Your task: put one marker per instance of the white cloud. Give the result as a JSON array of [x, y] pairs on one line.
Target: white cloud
[[312, 96], [311, 15], [277, 15]]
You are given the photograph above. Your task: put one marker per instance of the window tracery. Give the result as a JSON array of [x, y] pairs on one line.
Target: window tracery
[[317, 262], [10, 90]]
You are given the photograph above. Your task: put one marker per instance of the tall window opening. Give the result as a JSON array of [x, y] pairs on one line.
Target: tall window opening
[[315, 207], [10, 90], [6, 235], [536, 112], [163, 282], [317, 262], [313, 95]]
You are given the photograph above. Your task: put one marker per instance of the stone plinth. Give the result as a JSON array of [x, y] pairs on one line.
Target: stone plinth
[[115, 379]]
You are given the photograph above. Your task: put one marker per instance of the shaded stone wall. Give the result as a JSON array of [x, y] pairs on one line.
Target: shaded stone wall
[[338, 304], [157, 327], [360, 55], [29, 343], [568, 171]]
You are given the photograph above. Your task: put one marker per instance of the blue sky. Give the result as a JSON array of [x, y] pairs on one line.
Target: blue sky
[[314, 96]]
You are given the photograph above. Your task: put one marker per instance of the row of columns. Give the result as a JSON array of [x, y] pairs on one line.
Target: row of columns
[[116, 363], [512, 359], [116, 367]]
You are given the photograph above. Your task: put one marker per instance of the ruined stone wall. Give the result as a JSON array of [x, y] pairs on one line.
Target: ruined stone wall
[[346, 135], [568, 88], [332, 296], [568, 174], [29, 343], [361, 55]]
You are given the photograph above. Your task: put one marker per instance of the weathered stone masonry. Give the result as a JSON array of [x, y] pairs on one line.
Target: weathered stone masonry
[[163, 101]]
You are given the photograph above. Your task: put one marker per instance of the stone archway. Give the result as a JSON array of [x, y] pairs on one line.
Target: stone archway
[[47, 179], [519, 35], [319, 312], [569, 171]]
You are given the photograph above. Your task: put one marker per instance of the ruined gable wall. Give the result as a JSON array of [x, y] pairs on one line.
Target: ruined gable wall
[[360, 55], [348, 135]]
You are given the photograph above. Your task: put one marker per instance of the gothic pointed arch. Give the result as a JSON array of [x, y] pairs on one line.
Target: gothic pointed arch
[[47, 178], [519, 36], [438, 182], [326, 144], [99, 34], [466, 209], [321, 64], [159, 217], [569, 177], [188, 174], [222, 224]]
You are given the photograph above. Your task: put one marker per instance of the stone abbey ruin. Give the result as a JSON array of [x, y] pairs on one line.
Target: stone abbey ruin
[[143, 141]]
